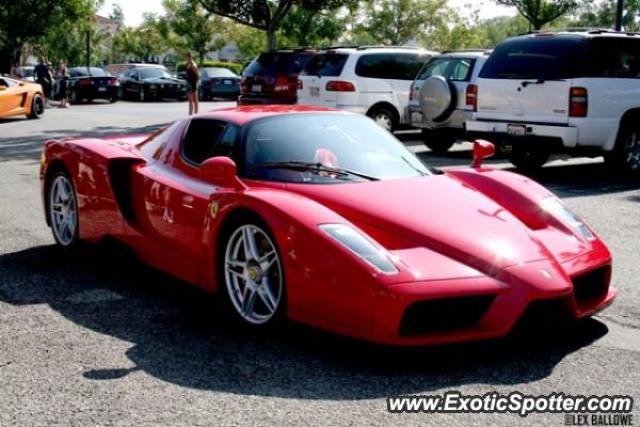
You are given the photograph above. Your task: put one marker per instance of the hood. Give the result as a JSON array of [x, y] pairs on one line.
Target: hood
[[436, 212]]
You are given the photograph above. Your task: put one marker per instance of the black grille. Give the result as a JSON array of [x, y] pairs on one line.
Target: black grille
[[444, 314], [542, 314], [590, 288]]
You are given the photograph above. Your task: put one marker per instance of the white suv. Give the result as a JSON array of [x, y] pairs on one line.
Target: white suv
[[442, 97], [565, 92], [368, 80]]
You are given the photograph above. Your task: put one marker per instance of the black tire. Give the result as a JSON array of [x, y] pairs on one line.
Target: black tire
[[37, 107], [528, 157], [141, 96], [625, 157], [384, 116], [74, 239], [438, 141], [227, 239], [113, 99], [74, 98]]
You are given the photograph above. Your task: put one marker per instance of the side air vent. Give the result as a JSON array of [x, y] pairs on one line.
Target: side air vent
[[120, 178], [590, 288]]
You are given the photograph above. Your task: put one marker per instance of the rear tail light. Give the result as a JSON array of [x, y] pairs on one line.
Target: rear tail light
[[411, 91], [578, 102], [85, 82], [300, 85], [472, 97], [286, 83], [244, 86], [340, 86], [114, 82]]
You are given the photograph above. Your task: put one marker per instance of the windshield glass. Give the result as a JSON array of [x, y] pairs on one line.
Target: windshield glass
[[325, 148], [91, 71], [150, 73], [219, 72]]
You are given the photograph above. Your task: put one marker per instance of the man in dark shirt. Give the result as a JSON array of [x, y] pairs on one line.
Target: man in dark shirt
[[42, 76]]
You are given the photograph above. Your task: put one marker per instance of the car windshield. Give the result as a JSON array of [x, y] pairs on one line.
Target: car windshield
[[26, 72], [272, 63], [91, 71], [325, 148], [218, 72], [151, 73]]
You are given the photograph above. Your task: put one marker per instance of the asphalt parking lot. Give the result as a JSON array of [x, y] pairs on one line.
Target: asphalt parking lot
[[97, 338]]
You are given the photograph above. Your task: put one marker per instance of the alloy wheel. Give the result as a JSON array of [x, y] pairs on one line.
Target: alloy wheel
[[63, 210]]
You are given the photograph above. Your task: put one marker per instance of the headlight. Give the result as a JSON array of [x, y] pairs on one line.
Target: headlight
[[362, 246], [152, 87], [555, 207]]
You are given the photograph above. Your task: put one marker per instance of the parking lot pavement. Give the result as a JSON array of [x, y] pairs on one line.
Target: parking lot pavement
[[95, 337]]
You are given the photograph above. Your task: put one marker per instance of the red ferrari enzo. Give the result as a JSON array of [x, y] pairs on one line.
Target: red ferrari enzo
[[324, 218]]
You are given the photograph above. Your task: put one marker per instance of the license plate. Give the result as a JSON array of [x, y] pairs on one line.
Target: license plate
[[416, 117], [314, 91], [102, 89], [256, 88], [517, 130], [228, 82]]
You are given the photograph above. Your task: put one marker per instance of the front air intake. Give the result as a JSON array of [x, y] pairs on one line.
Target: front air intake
[[591, 288]]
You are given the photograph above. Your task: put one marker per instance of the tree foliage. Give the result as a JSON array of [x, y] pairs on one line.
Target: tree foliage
[[541, 12], [302, 27]]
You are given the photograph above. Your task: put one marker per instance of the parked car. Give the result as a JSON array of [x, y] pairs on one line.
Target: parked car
[[118, 69], [565, 92], [89, 83], [323, 217], [368, 80], [20, 98], [147, 83], [272, 78], [218, 82], [26, 73], [442, 95]]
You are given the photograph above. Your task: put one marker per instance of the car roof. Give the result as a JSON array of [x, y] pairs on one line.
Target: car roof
[[580, 33], [247, 113], [471, 53]]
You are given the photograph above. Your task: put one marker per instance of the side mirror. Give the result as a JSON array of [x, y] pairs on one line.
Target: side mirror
[[222, 172], [481, 150]]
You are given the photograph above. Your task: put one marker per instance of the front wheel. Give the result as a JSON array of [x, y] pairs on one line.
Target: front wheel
[[384, 117], [252, 274], [438, 141], [62, 208], [528, 157], [141, 96], [626, 155]]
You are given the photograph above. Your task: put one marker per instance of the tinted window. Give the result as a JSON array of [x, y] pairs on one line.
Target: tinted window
[[327, 64], [218, 72], [148, 73], [614, 58], [200, 140], [541, 57], [91, 71], [456, 69], [273, 63], [397, 66], [345, 141]]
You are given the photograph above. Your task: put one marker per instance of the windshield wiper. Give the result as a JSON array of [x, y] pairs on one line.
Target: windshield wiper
[[541, 82], [313, 167]]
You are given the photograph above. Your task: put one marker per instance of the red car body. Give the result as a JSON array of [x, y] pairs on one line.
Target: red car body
[[473, 247]]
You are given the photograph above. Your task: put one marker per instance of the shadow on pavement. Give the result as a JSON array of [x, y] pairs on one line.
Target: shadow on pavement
[[29, 148], [179, 335]]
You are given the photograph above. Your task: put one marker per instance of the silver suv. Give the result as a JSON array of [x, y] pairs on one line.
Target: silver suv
[[442, 96]]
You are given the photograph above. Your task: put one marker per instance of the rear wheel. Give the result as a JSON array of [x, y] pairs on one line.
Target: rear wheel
[[141, 96], [252, 272], [626, 155], [438, 141], [384, 117], [528, 157], [37, 107], [62, 208]]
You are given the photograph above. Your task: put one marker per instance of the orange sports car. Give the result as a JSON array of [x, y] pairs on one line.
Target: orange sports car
[[18, 97]]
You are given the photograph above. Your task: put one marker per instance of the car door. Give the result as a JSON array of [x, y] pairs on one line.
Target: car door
[[175, 200], [12, 96]]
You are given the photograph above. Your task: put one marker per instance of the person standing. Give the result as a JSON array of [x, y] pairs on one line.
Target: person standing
[[193, 81], [43, 78], [62, 76]]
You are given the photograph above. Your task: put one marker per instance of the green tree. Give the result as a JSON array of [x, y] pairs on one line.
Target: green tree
[[265, 15], [603, 15], [25, 21], [150, 41], [541, 12], [188, 27], [117, 14], [303, 27]]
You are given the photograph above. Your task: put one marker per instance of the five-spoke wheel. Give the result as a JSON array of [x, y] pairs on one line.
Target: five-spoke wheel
[[253, 274], [63, 210]]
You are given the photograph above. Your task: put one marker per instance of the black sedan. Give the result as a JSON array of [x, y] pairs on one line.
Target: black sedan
[[145, 84], [89, 83], [218, 83]]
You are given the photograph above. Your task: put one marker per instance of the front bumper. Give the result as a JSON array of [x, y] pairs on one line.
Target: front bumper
[[499, 131]]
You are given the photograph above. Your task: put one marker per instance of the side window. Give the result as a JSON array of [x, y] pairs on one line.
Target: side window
[[200, 140], [228, 143], [435, 67], [375, 65], [407, 65], [614, 58]]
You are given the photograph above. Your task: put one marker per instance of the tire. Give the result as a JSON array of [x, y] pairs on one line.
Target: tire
[[62, 210], [385, 117], [254, 294], [37, 107], [625, 157], [141, 96], [438, 141], [113, 99], [528, 157], [74, 98]]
